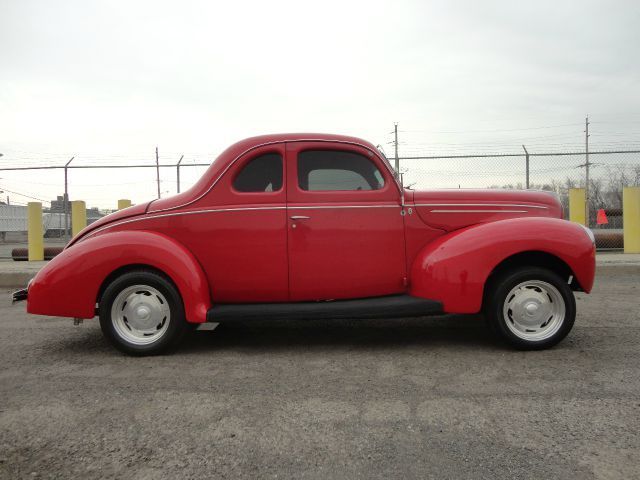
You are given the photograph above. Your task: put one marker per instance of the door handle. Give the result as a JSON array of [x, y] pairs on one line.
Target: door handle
[[299, 217]]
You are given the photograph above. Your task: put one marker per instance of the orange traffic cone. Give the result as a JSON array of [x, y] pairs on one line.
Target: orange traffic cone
[[602, 217]]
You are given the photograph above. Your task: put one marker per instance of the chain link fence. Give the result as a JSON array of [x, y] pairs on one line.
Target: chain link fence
[[99, 183], [608, 172]]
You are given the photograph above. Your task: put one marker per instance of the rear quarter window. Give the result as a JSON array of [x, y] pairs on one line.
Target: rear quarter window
[[262, 174]]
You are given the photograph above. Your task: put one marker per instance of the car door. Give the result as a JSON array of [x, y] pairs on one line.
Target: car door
[[345, 224]]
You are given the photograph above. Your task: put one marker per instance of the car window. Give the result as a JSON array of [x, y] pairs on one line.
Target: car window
[[262, 174], [330, 170]]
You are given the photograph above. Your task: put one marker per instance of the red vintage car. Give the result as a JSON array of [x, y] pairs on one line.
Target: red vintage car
[[318, 226]]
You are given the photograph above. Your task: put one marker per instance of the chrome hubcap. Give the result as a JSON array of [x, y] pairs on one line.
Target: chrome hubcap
[[534, 310], [140, 314]]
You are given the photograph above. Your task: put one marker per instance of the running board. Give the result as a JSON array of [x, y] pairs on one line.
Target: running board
[[393, 306]]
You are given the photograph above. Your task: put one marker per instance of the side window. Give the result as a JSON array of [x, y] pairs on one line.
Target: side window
[[331, 170], [262, 174]]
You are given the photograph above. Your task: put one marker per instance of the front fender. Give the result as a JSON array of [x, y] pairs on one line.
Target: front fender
[[454, 268], [68, 285]]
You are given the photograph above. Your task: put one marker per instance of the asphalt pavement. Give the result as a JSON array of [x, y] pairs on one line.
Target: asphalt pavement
[[413, 398]]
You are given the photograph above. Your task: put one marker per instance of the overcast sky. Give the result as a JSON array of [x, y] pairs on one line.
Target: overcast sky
[[108, 81]]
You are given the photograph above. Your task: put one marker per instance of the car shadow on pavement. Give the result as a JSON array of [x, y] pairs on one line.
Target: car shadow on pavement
[[470, 331], [467, 332]]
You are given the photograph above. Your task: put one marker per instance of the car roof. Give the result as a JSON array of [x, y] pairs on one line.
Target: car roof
[[297, 137]]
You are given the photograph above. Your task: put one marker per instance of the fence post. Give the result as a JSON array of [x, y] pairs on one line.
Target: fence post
[[35, 234], [66, 199], [631, 219], [178, 172], [526, 153], [123, 203], [78, 216], [578, 205]]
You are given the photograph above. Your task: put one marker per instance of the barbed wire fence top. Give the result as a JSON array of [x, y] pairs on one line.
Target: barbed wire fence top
[[97, 179]]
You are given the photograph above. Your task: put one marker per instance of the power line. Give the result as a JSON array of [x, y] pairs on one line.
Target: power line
[[495, 130], [500, 155], [24, 195], [75, 167]]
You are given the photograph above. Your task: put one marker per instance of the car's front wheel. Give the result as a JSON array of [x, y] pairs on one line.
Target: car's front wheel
[[141, 313], [531, 308]]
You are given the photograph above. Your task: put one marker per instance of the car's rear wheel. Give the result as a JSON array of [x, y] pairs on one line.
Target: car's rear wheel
[[141, 313], [531, 308]]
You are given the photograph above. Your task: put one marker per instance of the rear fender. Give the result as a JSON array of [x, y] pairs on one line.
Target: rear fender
[[69, 285], [454, 268]]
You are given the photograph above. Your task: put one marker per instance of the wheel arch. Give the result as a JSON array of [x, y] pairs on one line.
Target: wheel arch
[[537, 258], [71, 284], [130, 268], [455, 268]]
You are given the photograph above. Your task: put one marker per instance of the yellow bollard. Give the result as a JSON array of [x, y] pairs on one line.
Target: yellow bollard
[[631, 219], [578, 205], [78, 216], [35, 232], [123, 203]]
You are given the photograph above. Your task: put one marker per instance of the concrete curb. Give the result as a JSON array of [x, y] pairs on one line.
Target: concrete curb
[[15, 279], [611, 269], [18, 274]]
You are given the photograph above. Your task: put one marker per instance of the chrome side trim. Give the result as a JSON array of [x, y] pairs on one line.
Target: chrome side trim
[[320, 207], [520, 205], [478, 211], [213, 210], [177, 214], [152, 215]]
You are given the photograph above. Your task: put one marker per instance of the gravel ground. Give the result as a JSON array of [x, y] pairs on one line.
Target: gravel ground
[[415, 398]]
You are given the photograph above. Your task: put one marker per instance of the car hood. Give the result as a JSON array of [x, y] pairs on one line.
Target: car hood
[[453, 209], [133, 211]]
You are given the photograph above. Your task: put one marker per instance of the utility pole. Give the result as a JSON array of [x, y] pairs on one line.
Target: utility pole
[[158, 172], [586, 167], [65, 199], [395, 144], [178, 171], [527, 166]]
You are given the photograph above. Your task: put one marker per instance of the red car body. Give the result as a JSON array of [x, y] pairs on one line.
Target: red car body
[[223, 246]]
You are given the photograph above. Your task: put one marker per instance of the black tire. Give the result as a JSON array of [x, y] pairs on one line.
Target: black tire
[[177, 324], [500, 286]]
